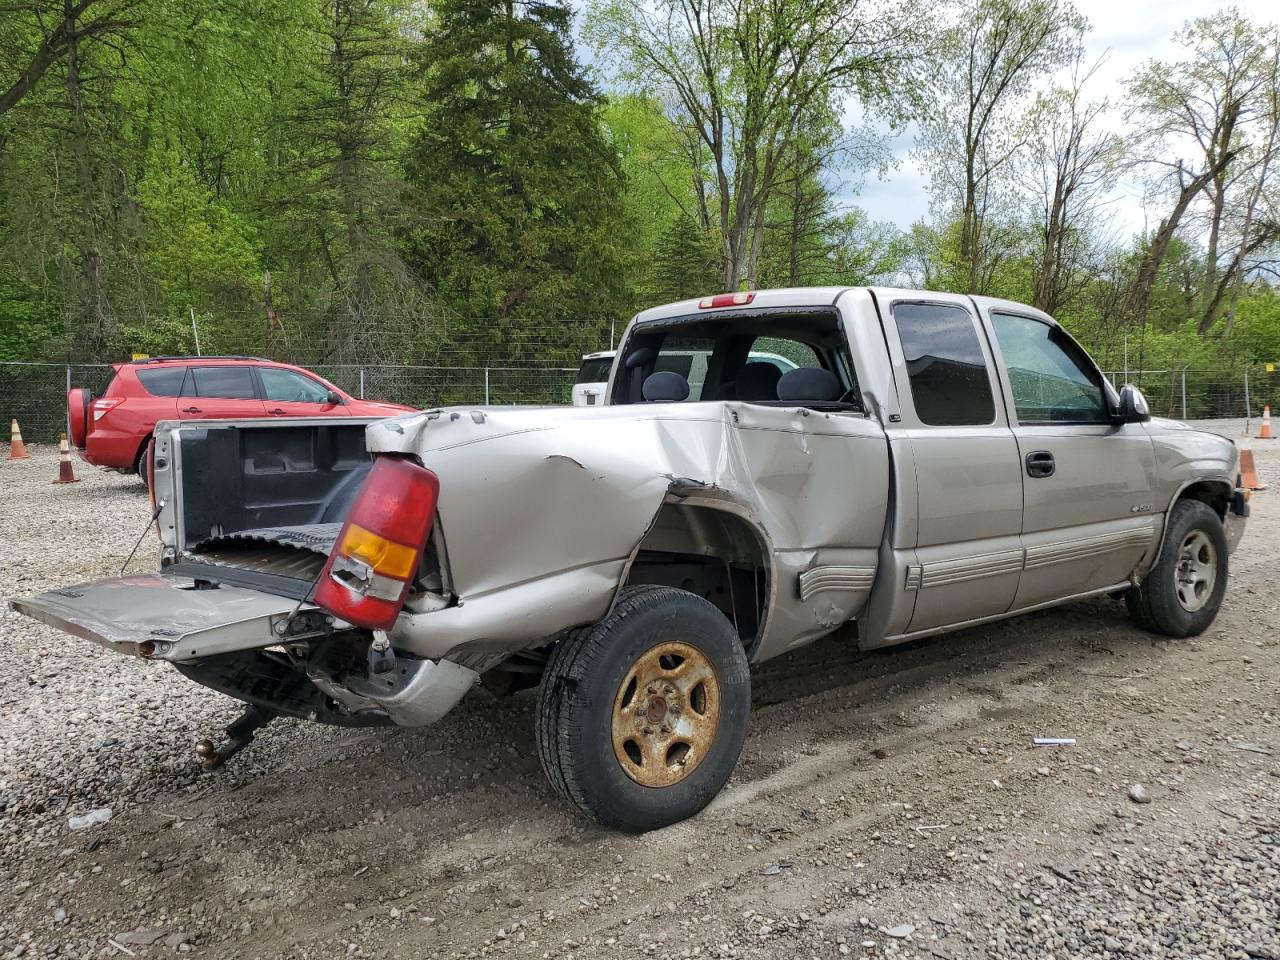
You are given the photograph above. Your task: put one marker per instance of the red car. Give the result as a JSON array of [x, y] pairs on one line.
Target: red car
[[113, 430]]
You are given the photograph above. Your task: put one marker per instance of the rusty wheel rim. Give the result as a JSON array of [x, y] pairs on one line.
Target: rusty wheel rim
[[666, 714]]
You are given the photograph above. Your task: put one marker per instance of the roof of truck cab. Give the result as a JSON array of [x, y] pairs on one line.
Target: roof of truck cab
[[827, 296], [788, 297]]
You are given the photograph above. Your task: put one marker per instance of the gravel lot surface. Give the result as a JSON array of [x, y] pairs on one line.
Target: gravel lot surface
[[887, 804]]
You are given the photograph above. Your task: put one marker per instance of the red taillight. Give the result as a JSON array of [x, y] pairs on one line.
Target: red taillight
[[726, 300], [376, 557], [103, 406]]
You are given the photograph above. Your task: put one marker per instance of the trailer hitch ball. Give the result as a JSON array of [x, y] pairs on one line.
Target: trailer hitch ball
[[240, 734]]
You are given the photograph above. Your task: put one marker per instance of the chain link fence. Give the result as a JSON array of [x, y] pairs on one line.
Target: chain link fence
[[1191, 394], [35, 393]]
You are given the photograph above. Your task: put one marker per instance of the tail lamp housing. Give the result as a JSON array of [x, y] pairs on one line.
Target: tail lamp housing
[[376, 557], [104, 405]]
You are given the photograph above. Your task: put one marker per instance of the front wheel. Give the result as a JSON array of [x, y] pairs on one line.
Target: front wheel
[[642, 716], [1181, 595]]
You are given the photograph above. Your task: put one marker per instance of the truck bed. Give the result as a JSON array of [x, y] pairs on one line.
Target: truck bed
[[255, 503]]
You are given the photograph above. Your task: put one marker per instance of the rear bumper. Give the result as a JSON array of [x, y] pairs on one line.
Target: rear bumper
[[227, 638], [111, 448]]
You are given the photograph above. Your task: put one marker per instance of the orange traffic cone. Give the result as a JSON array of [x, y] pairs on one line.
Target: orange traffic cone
[[17, 449], [1249, 471], [1265, 432], [64, 463]]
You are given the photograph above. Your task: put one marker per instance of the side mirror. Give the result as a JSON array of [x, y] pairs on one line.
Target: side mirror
[[334, 397], [1132, 407]]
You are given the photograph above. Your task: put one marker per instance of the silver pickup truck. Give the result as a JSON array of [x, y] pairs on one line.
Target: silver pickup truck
[[931, 462]]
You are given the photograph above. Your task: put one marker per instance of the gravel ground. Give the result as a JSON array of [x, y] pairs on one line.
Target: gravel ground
[[887, 804]]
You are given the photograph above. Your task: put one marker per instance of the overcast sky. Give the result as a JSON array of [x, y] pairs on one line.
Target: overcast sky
[[1128, 32]]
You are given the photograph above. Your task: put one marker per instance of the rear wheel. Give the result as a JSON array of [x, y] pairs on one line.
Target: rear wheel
[[143, 466], [1181, 595], [642, 716]]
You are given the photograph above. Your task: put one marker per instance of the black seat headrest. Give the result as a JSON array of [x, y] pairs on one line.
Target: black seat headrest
[[757, 381], [644, 355], [665, 386], [809, 385]]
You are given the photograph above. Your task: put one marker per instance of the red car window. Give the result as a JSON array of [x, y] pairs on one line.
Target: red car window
[[235, 383], [290, 387], [163, 381]]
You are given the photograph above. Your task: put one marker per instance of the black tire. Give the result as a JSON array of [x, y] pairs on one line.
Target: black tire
[[583, 683], [1156, 603], [142, 467]]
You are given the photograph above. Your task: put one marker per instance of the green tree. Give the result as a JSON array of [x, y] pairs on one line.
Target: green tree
[[685, 262], [745, 79], [973, 131], [518, 186], [1196, 116]]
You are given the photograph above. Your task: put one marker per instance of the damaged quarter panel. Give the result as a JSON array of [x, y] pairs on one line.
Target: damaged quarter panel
[[542, 509]]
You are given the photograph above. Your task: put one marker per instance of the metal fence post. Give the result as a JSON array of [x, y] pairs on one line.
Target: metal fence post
[[1184, 393], [68, 378], [362, 383], [486, 386], [1248, 410]]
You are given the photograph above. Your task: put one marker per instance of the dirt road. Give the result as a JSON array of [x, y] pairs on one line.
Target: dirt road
[[888, 803]]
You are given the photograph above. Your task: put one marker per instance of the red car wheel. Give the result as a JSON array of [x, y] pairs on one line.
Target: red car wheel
[[78, 400]]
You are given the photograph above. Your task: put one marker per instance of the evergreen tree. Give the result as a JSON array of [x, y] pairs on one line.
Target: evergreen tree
[[687, 263], [518, 185]]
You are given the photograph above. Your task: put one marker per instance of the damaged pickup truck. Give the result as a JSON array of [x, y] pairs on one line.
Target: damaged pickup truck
[[931, 462]]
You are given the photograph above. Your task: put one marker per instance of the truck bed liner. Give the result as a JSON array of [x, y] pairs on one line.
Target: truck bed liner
[[295, 553]]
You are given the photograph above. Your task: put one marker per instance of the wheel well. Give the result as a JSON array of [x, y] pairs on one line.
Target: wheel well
[[1215, 493], [714, 553], [142, 449]]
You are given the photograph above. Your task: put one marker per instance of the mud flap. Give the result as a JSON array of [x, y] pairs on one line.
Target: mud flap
[[163, 617]]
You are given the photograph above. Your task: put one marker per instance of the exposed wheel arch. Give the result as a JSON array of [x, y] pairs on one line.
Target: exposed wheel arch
[[1215, 493], [715, 550]]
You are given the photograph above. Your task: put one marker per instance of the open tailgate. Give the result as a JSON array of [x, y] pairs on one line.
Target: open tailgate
[[162, 616]]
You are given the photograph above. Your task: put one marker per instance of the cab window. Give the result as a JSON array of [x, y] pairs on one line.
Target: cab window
[[233, 383], [287, 386], [949, 381], [1052, 381]]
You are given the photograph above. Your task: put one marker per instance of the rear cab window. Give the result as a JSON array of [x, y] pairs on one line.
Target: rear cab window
[[950, 379], [742, 356]]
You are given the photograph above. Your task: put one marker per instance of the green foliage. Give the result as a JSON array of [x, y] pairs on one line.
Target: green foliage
[[385, 181], [686, 263], [518, 187], [28, 321]]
